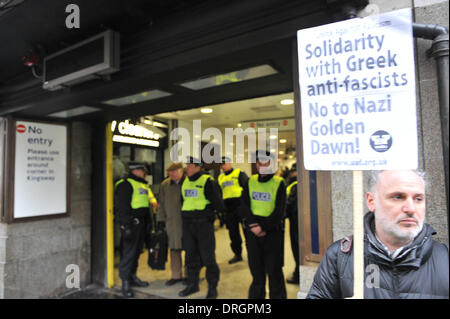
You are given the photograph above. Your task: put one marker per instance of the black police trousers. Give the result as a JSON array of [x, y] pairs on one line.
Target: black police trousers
[[131, 248], [265, 258], [199, 243], [232, 221]]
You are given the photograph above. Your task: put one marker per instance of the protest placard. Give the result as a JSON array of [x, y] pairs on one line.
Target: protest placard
[[357, 88]]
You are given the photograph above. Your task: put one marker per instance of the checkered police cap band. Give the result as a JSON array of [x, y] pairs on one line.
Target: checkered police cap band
[[134, 165]]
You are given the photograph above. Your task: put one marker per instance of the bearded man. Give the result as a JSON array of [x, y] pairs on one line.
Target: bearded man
[[403, 259]]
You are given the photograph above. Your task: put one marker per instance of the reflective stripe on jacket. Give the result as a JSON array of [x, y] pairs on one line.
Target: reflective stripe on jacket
[[289, 188]]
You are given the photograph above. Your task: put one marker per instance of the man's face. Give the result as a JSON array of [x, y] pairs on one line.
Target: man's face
[[263, 167], [225, 167], [398, 204], [139, 173], [175, 175], [191, 169]]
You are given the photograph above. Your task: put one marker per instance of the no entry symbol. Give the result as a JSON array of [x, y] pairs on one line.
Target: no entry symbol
[[20, 128]]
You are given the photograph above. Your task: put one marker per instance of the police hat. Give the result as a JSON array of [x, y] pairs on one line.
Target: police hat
[[263, 156], [137, 165], [193, 160], [293, 167], [225, 159]]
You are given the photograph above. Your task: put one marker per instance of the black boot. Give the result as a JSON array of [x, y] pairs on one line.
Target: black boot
[[136, 282], [295, 279], [189, 290], [235, 259], [126, 289], [212, 293]]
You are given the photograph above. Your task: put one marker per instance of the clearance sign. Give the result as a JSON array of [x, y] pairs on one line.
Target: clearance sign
[[40, 169], [358, 100]]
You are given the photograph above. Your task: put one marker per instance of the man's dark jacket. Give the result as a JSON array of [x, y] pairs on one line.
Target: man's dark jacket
[[420, 271]]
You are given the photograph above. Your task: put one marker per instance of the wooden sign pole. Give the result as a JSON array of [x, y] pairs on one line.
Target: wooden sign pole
[[358, 236]]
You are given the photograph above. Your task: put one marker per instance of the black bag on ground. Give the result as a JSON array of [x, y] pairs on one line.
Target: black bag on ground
[[157, 252]]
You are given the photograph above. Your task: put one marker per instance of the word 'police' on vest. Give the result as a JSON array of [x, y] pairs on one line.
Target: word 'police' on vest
[[261, 196]]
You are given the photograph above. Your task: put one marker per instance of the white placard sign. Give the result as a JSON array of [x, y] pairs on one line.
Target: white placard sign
[[40, 178], [357, 88]]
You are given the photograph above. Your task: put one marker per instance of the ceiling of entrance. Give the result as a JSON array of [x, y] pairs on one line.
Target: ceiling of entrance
[[232, 113]]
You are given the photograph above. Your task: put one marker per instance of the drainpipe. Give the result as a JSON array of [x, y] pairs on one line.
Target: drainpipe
[[439, 51]]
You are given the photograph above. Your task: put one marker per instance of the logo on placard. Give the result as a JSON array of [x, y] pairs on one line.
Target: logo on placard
[[20, 128], [381, 141]]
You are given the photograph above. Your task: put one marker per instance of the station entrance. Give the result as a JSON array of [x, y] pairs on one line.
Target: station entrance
[[274, 114], [151, 138]]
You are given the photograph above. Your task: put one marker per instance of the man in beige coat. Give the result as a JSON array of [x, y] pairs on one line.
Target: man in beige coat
[[169, 216]]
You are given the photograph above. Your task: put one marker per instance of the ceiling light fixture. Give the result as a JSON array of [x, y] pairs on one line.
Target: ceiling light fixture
[[283, 140], [206, 110], [287, 102]]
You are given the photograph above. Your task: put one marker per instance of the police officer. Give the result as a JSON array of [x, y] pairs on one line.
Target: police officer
[[231, 182], [265, 197], [200, 199], [292, 214], [132, 207]]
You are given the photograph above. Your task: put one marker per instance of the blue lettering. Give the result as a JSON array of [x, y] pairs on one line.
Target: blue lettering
[[191, 192], [227, 183], [261, 196]]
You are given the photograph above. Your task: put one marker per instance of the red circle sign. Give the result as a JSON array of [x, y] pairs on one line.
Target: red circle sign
[[20, 128]]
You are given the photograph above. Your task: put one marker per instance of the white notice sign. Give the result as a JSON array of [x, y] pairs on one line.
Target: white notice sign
[[40, 179], [358, 99]]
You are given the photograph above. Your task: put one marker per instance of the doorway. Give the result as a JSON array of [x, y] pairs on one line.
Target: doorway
[[274, 111]]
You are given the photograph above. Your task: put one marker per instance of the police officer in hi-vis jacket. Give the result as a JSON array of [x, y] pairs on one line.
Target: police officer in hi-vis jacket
[[231, 182], [201, 199], [132, 203], [265, 199]]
